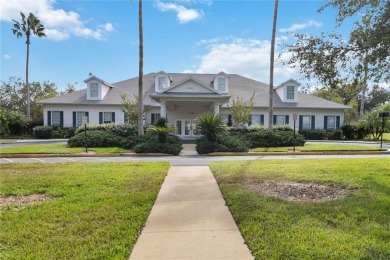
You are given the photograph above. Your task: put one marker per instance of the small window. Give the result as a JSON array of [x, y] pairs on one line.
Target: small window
[[161, 83], [280, 120], [290, 92], [331, 122], [94, 90], [79, 118], [155, 117], [256, 120], [221, 84], [107, 117], [306, 122], [55, 118]]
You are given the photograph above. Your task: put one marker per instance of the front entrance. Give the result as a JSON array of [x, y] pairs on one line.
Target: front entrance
[[186, 127]]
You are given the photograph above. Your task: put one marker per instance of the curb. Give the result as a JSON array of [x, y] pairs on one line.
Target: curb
[[297, 153]]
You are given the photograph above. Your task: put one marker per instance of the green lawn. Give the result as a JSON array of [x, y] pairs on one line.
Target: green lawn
[[320, 147], [58, 148], [97, 209], [356, 227]]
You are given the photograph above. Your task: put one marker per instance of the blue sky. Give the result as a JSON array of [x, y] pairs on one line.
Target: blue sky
[[202, 36]]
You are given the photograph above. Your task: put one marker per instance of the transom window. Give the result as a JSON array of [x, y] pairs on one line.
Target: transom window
[[306, 122], [161, 83], [331, 122], [221, 84], [55, 118], [94, 90], [290, 92], [79, 118], [107, 117]]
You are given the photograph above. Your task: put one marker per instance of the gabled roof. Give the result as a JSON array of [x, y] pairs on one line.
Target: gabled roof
[[98, 79], [239, 86], [288, 81], [190, 78]]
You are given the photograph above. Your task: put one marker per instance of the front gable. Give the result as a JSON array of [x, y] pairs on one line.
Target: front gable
[[191, 85], [288, 91], [96, 88]]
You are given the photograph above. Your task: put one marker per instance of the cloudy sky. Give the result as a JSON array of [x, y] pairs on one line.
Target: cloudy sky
[[202, 36]]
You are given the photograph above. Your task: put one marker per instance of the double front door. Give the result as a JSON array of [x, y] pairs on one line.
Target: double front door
[[186, 127]]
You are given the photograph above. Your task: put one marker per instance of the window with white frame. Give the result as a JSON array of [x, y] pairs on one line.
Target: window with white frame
[[306, 122], [280, 120], [154, 118], [290, 92], [55, 118], [107, 117], [256, 119], [94, 90], [331, 122], [225, 118], [79, 118], [221, 84], [161, 82]]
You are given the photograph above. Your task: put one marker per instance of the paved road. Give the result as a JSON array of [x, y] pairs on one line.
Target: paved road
[[177, 160], [33, 142]]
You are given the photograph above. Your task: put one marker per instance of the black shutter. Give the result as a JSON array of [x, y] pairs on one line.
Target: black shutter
[[313, 122], [152, 118], [61, 118], [230, 123], [100, 117], [287, 121], [274, 121], [337, 122], [74, 119], [113, 117], [325, 122], [300, 122], [262, 119], [250, 120], [87, 115], [48, 117]]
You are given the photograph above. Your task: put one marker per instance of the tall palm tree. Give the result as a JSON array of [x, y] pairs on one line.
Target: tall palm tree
[[140, 75], [271, 72], [30, 26]]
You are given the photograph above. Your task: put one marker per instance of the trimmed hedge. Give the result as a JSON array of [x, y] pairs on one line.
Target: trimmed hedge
[[121, 129], [43, 132], [99, 138], [224, 143], [354, 132], [275, 139], [320, 134], [149, 144]]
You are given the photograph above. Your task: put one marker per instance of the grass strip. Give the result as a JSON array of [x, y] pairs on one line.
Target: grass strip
[[310, 147], [57, 149], [356, 227], [96, 211]]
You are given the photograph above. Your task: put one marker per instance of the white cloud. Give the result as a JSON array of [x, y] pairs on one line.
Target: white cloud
[[300, 26], [184, 15], [59, 23], [247, 57], [7, 56]]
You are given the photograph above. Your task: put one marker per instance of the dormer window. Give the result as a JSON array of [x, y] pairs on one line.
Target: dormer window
[[161, 82], [221, 84], [94, 90], [290, 93]]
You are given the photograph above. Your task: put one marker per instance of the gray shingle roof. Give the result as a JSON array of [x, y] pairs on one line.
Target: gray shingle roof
[[238, 87]]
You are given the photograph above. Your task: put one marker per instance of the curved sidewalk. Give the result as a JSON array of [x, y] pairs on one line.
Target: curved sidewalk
[[190, 220]]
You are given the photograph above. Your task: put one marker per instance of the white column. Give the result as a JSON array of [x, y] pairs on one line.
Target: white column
[[163, 109], [216, 108]]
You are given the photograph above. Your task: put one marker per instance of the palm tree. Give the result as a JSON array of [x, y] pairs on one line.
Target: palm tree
[[271, 73], [140, 75], [31, 25]]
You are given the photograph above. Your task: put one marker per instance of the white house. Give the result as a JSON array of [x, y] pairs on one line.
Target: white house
[[181, 97]]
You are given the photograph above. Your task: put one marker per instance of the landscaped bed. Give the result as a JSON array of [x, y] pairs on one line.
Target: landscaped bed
[[310, 209], [310, 147], [75, 210], [58, 149]]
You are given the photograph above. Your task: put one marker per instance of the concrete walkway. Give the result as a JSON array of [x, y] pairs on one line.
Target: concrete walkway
[[189, 150], [190, 220]]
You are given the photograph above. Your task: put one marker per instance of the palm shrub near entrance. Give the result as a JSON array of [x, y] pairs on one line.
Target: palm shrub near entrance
[[210, 125]]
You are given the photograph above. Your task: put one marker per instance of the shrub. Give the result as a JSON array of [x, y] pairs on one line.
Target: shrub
[[278, 128], [320, 134], [257, 128], [43, 132], [98, 138], [161, 131], [12, 122], [70, 131], [210, 125], [150, 147], [121, 129], [227, 143], [162, 122], [275, 139], [354, 132], [204, 146], [336, 134], [60, 133]]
